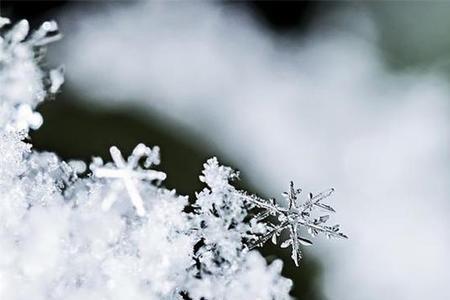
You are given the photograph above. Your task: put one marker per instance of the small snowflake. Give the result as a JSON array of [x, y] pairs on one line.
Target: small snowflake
[[129, 172], [292, 218]]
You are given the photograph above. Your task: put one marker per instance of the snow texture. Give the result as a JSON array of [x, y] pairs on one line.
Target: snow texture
[[114, 232]]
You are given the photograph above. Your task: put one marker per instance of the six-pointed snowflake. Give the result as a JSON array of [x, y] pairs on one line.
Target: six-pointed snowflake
[[130, 173], [292, 218]]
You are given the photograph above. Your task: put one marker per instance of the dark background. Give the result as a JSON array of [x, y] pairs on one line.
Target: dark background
[[74, 131]]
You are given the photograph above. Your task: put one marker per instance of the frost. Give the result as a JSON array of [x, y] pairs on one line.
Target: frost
[[56, 79], [115, 232], [22, 79], [27, 118], [4, 21]]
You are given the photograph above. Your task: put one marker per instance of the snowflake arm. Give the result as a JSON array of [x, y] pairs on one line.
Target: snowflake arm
[[296, 254], [272, 234], [315, 201]]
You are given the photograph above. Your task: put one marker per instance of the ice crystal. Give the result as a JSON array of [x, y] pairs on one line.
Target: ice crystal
[[69, 233], [294, 217], [129, 172]]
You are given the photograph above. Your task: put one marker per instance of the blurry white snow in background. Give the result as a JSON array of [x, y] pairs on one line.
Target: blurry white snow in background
[[322, 110]]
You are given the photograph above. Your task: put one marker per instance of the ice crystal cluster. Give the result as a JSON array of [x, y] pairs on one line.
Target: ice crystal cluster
[[112, 231]]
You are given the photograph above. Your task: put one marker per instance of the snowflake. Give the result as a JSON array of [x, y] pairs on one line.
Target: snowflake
[[292, 218], [129, 172]]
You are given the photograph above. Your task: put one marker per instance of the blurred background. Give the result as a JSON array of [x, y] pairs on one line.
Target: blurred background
[[350, 95]]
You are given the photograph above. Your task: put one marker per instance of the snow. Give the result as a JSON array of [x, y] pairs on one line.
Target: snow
[[116, 233]]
